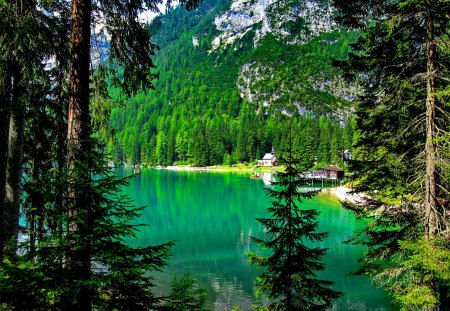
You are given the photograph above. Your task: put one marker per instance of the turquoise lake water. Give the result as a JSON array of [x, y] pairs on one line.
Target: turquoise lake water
[[211, 216]]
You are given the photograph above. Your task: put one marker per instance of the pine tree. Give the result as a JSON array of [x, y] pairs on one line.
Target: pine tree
[[401, 61], [119, 275], [289, 279], [62, 264], [26, 40], [130, 53]]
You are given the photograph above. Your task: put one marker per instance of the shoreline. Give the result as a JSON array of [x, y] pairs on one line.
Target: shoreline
[[221, 169], [341, 192], [344, 195]]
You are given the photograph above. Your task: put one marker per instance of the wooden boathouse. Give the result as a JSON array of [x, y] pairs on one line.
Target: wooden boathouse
[[331, 174], [327, 172]]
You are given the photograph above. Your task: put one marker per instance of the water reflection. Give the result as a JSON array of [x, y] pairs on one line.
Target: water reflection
[[212, 217]]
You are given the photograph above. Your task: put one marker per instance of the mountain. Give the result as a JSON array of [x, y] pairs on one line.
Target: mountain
[[232, 74]]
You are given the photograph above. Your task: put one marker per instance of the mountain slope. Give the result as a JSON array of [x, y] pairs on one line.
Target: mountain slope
[[231, 74]]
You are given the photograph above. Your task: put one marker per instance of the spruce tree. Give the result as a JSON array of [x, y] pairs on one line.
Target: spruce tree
[[26, 41], [130, 54], [119, 275], [401, 61], [76, 257], [289, 278]]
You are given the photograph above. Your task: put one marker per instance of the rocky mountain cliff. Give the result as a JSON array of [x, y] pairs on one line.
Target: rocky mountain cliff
[[288, 46], [295, 22], [228, 61]]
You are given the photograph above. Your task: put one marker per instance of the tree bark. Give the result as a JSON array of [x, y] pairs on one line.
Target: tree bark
[[431, 225], [4, 133], [78, 111], [14, 157], [77, 136]]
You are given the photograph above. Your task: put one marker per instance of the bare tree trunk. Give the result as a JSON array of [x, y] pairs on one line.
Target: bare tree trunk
[[430, 144], [13, 176], [4, 133], [78, 112], [77, 136]]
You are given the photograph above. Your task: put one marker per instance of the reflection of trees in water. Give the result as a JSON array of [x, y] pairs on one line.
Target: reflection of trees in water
[[212, 217], [229, 292]]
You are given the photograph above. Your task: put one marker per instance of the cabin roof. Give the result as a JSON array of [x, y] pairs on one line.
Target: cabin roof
[[332, 168], [269, 156]]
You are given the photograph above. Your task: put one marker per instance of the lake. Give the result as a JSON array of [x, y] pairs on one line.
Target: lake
[[211, 216]]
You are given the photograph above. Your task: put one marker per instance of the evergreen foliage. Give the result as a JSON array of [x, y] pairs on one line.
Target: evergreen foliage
[[425, 264], [197, 116], [119, 276], [289, 278], [24, 86], [401, 148], [72, 253]]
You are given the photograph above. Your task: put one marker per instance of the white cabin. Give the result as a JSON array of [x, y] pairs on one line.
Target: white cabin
[[269, 159]]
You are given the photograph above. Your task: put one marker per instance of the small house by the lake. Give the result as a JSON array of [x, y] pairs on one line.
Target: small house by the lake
[[269, 159]]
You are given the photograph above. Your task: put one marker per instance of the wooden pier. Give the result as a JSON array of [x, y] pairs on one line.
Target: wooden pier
[[314, 181]]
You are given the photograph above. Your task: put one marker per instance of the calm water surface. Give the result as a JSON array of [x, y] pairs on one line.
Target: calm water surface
[[211, 216]]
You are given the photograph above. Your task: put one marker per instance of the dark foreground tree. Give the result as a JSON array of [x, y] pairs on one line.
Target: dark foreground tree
[[22, 75], [131, 51], [401, 157], [289, 278], [119, 275], [78, 260]]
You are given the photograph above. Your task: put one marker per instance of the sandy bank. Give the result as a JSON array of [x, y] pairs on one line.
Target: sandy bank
[[344, 194]]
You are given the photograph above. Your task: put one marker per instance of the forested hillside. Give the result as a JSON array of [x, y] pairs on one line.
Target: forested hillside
[[229, 81], [235, 79]]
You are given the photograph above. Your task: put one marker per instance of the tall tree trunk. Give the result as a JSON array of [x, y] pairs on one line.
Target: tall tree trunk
[[78, 112], [13, 176], [77, 136], [4, 133], [431, 224]]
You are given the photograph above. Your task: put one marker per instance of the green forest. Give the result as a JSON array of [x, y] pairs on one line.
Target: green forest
[[196, 115], [377, 83]]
